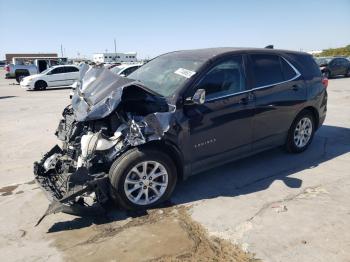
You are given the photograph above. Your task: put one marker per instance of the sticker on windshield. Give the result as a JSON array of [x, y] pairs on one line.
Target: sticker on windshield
[[184, 72]]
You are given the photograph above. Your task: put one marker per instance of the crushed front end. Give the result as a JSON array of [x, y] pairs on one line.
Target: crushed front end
[[108, 116]]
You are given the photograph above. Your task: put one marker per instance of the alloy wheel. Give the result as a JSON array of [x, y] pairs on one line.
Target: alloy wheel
[[146, 182], [303, 132]]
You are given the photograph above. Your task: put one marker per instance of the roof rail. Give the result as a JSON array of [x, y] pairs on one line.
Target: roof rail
[[269, 46]]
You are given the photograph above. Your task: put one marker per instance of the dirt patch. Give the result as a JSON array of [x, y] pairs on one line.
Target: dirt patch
[[167, 234], [7, 190]]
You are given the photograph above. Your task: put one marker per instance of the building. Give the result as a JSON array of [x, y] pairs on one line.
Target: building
[[8, 57], [115, 57], [315, 52]]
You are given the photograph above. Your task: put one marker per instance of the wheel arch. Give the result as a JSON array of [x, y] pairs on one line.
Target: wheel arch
[[171, 150], [314, 112], [40, 80]]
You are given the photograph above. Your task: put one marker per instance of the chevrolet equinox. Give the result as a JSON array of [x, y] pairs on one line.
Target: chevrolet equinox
[[131, 139]]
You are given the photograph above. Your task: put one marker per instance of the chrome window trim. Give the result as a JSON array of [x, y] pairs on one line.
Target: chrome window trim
[[262, 87]]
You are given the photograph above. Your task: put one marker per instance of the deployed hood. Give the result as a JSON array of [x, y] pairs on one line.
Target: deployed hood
[[100, 92]]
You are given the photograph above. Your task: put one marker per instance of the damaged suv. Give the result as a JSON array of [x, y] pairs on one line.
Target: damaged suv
[[131, 139]]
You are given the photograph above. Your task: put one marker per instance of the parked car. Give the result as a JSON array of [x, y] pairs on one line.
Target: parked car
[[131, 139], [331, 67], [62, 75], [125, 69], [19, 71], [122, 70]]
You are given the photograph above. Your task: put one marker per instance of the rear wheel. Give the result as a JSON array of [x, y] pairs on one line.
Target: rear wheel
[[21, 75], [40, 85], [142, 178], [301, 132], [326, 74]]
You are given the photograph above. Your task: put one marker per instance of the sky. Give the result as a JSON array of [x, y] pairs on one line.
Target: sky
[[154, 27]]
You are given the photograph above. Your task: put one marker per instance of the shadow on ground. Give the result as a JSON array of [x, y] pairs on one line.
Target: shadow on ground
[[52, 89], [241, 177], [6, 97]]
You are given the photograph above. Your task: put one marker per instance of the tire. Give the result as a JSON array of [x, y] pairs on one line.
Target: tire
[[40, 85], [123, 178], [327, 74], [295, 145], [19, 77], [347, 74]]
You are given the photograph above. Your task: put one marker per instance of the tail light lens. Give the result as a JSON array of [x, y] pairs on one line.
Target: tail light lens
[[7, 68], [325, 82]]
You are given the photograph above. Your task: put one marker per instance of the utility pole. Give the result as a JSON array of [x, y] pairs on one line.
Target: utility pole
[[61, 50], [115, 51]]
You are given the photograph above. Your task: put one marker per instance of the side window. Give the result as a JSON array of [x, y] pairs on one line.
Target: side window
[[58, 70], [226, 78], [129, 70], [267, 70], [70, 69], [344, 62], [288, 71]]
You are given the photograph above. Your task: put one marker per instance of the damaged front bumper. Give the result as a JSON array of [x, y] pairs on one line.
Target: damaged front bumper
[[76, 193]]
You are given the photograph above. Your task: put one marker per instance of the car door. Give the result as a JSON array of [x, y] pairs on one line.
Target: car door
[[279, 91], [221, 128], [335, 67], [344, 64], [71, 75], [56, 77]]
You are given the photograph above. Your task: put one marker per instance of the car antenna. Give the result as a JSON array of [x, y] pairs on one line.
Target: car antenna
[[269, 46]]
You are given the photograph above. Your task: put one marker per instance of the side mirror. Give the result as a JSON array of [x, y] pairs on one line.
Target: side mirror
[[197, 99]]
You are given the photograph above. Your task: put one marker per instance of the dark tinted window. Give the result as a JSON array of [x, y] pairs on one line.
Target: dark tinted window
[[267, 70], [225, 78], [288, 71], [129, 70], [344, 62], [58, 70], [305, 64], [70, 69]]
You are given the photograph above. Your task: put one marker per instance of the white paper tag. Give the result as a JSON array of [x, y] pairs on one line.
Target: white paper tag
[[184, 72]]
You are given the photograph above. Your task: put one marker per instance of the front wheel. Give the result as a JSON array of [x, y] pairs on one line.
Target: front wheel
[[142, 178], [40, 85], [301, 132]]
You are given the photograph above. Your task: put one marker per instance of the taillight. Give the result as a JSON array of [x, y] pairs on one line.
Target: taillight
[[325, 82], [7, 68]]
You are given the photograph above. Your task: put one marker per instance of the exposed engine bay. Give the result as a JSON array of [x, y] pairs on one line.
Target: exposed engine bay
[[109, 114]]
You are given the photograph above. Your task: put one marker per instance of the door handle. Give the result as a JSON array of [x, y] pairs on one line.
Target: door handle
[[295, 87], [245, 100]]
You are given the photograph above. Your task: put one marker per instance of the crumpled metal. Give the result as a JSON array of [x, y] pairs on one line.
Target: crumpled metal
[[99, 94]]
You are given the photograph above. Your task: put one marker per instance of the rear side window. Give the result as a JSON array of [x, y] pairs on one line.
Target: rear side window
[[267, 69], [306, 65], [288, 71], [70, 69], [58, 70]]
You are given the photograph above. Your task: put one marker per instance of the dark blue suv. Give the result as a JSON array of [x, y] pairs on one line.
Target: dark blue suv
[[131, 139]]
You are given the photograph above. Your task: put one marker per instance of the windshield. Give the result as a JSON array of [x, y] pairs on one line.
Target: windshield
[[116, 69], [45, 71], [166, 74], [322, 61]]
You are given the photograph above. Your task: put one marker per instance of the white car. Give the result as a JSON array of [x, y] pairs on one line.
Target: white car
[[125, 69], [62, 75], [122, 70]]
